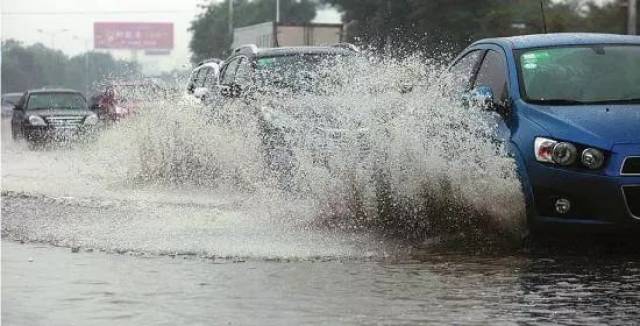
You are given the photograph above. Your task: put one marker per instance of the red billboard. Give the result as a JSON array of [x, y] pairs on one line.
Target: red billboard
[[133, 36]]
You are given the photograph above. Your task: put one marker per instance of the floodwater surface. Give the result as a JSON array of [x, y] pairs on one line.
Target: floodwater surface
[[52, 286], [174, 217]]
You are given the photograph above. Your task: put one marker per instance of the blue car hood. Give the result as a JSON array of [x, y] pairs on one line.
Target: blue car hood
[[596, 125]]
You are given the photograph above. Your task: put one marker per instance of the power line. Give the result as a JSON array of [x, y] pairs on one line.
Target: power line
[[124, 12]]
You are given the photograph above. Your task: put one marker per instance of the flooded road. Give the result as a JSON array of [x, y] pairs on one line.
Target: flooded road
[[84, 251], [52, 286], [171, 218]]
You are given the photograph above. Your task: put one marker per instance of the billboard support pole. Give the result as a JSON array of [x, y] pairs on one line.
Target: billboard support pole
[[134, 56]]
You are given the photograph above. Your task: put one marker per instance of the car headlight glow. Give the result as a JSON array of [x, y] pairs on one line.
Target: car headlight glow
[[37, 121], [91, 120], [564, 153], [592, 158]]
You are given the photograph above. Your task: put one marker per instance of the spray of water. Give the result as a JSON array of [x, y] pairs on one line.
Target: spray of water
[[379, 148]]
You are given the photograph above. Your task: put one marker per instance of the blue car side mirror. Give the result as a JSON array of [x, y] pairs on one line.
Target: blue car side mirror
[[482, 97]]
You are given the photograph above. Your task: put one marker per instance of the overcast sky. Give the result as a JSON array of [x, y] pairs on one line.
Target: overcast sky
[[21, 19]]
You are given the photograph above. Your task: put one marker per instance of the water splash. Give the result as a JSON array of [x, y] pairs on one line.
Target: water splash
[[381, 146], [379, 150]]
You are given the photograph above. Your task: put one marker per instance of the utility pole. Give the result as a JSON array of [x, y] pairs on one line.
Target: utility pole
[[53, 35], [278, 11], [230, 19], [87, 49], [633, 17]]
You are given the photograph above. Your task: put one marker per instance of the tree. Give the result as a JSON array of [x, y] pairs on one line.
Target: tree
[[609, 18], [35, 66], [408, 25], [211, 35], [433, 26]]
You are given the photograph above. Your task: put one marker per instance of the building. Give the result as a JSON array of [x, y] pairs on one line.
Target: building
[[271, 34]]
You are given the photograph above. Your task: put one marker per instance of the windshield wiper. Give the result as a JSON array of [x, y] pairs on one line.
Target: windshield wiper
[[576, 102], [618, 101], [559, 101]]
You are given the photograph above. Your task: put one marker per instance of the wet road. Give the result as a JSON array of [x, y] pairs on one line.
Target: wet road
[[52, 286], [155, 255]]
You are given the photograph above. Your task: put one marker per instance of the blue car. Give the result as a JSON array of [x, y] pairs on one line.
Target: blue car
[[570, 106]]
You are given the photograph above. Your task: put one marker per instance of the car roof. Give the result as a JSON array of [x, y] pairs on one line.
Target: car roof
[[208, 64], [253, 51], [12, 94], [53, 90], [284, 51], [560, 39], [210, 60]]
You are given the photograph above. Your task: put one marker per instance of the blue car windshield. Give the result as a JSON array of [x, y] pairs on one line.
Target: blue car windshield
[[67, 101], [581, 74]]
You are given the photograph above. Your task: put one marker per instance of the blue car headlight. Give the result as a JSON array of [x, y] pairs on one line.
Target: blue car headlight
[[566, 154], [592, 158], [552, 151], [543, 148]]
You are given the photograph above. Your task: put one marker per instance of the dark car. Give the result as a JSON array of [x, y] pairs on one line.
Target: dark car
[[251, 71], [570, 109], [250, 68], [9, 101], [49, 114]]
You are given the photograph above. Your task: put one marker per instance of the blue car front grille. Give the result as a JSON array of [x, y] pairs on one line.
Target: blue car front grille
[[632, 197], [631, 166]]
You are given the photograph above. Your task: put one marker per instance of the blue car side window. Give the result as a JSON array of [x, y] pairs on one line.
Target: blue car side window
[[462, 70], [493, 74]]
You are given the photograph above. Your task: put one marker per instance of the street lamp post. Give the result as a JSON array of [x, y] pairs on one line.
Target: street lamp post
[[633, 17], [230, 18], [86, 61], [53, 35]]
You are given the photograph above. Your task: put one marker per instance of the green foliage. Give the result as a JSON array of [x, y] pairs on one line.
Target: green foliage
[[436, 25], [35, 66], [211, 35]]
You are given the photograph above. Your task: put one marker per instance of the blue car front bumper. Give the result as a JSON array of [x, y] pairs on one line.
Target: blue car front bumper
[[606, 202]]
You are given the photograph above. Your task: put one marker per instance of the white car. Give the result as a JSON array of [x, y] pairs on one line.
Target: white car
[[205, 79]]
